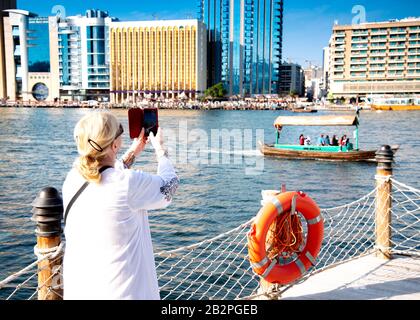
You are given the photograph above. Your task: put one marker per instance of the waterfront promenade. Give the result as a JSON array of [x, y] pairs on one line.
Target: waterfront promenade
[[174, 104]]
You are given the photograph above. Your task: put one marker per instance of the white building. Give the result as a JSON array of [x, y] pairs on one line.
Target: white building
[[84, 56]]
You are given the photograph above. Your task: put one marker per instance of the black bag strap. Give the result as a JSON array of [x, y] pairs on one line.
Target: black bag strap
[[78, 193]]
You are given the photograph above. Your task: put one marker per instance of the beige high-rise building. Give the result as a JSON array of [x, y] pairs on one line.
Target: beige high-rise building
[[375, 59], [4, 4], [159, 58]]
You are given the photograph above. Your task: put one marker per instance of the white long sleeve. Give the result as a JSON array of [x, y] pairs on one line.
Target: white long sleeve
[[149, 192]]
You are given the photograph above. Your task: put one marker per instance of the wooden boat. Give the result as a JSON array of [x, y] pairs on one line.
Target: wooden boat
[[303, 110], [316, 152]]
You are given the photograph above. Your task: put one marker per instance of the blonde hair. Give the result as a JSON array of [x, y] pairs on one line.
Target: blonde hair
[[94, 133]]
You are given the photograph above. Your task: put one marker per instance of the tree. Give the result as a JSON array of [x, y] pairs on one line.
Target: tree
[[216, 91], [293, 94]]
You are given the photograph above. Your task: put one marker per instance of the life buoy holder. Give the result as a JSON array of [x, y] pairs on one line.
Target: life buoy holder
[[271, 270]]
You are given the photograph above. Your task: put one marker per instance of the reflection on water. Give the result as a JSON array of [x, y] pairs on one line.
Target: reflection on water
[[38, 150]]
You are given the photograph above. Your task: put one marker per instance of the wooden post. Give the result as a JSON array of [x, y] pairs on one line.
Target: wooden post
[[48, 213], [384, 158]]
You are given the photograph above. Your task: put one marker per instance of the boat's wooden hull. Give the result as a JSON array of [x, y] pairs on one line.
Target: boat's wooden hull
[[367, 155]]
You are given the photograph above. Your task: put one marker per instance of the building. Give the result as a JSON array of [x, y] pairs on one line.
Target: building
[[244, 44], [325, 85], [84, 56], [165, 58], [292, 79], [313, 79], [375, 59], [4, 4], [31, 56]]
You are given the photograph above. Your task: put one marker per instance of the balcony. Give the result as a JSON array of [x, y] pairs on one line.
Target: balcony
[[376, 75], [414, 60], [378, 39], [378, 32], [353, 40], [399, 31], [360, 33], [396, 45], [358, 68], [395, 67], [360, 61], [339, 49], [378, 54], [398, 39], [376, 68], [396, 53]]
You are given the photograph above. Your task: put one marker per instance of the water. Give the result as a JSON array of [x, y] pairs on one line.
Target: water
[[38, 150]]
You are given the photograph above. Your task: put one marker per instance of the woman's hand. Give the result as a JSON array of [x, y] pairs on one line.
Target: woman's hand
[[157, 142], [138, 144]]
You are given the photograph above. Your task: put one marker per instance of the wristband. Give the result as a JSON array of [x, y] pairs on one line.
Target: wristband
[[129, 160]]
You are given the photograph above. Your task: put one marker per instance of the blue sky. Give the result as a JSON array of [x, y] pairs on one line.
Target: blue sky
[[307, 25]]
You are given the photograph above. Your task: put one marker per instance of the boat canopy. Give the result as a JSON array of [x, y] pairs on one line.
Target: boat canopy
[[316, 121]]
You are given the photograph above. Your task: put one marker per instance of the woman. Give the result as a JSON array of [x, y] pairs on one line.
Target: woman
[[109, 253]]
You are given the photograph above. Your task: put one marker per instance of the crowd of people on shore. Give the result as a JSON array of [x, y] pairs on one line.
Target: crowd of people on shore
[[324, 140]]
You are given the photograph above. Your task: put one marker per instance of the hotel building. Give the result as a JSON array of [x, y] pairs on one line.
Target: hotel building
[[244, 44], [4, 4], [84, 56], [165, 58], [31, 56], [375, 58]]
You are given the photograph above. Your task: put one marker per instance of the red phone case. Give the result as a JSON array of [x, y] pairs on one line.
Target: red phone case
[[135, 122]]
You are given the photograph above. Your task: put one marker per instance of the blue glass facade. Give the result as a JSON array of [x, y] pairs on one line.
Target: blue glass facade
[[69, 53], [244, 44], [38, 45]]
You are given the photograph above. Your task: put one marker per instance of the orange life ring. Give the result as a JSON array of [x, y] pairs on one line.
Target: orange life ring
[[271, 270]]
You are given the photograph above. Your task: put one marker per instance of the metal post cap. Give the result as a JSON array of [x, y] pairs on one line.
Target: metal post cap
[[385, 157], [49, 197], [48, 212], [384, 154]]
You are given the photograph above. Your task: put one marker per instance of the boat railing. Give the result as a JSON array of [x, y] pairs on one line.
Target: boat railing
[[385, 221]]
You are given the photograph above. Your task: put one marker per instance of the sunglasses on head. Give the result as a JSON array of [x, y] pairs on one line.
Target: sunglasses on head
[[97, 147]]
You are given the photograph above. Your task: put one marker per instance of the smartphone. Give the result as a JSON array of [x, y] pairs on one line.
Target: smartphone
[[150, 121], [142, 118]]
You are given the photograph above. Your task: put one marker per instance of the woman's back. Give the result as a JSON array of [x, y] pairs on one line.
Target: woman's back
[[108, 244]]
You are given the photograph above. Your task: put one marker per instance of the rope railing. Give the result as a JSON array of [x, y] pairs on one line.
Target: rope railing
[[218, 268]]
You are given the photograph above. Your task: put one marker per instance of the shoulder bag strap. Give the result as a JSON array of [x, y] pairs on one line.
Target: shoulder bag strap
[[82, 188]]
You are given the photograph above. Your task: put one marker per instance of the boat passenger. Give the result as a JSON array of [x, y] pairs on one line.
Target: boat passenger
[[327, 140], [334, 141], [321, 140], [109, 252], [301, 139], [307, 141], [342, 142]]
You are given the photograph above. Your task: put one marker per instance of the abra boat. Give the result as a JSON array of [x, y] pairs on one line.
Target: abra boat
[[315, 152]]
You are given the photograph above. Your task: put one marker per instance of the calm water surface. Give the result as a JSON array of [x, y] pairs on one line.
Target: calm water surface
[[38, 150]]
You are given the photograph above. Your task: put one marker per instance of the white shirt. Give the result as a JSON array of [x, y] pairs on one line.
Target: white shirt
[[109, 252]]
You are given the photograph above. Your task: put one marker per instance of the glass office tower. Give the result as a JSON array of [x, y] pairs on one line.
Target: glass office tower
[[244, 44]]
